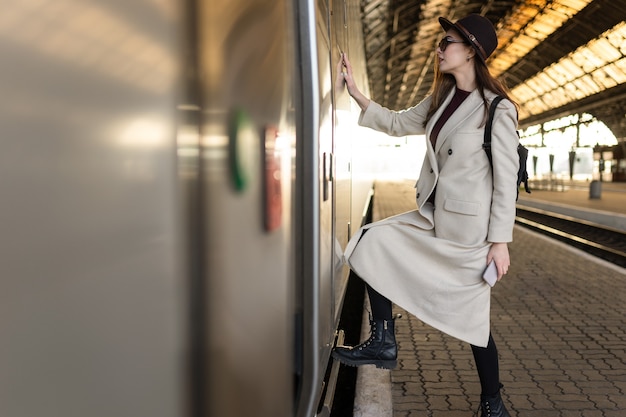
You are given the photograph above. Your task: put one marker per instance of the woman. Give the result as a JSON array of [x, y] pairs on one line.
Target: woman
[[430, 261]]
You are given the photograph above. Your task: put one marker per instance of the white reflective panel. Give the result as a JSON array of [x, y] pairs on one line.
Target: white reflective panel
[[601, 77], [596, 133], [549, 83], [572, 92], [531, 130], [621, 65], [568, 93], [523, 93], [590, 61], [579, 89], [556, 75], [561, 122], [553, 139], [570, 69], [550, 98], [549, 154], [586, 117], [574, 4], [617, 70], [524, 43], [569, 136], [591, 84], [545, 24], [501, 65], [537, 87], [532, 140], [617, 37], [538, 106], [528, 12], [603, 48], [573, 68]]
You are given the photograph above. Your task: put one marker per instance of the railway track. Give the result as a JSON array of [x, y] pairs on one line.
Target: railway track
[[600, 241]]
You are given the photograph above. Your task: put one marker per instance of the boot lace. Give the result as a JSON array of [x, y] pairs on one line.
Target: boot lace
[[485, 406], [372, 335]]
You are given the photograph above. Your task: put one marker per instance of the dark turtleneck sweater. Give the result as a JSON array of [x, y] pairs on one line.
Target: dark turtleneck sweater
[[457, 99]]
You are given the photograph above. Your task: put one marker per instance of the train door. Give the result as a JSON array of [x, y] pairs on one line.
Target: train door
[[316, 196], [327, 305], [327, 202], [343, 122]]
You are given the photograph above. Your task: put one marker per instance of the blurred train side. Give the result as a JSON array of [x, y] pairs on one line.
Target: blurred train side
[[179, 179]]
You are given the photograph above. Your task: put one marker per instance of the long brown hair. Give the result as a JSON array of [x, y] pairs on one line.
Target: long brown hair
[[444, 83]]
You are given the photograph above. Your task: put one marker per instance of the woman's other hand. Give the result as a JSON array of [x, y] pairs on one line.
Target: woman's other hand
[[499, 252]]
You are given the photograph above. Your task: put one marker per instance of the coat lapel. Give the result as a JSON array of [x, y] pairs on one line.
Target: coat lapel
[[430, 151], [471, 104]]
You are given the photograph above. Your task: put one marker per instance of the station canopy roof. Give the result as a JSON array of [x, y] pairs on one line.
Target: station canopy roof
[[558, 57]]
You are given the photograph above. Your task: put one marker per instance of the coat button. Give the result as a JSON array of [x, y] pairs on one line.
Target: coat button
[[432, 170], [449, 151], [418, 195]]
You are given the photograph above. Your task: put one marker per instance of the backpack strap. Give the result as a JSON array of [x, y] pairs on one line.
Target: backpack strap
[[487, 138], [522, 152]]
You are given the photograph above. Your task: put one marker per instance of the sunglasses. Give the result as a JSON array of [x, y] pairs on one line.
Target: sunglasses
[[443, 44]]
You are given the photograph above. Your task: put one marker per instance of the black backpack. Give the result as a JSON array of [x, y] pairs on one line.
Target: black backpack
[[522, 152]]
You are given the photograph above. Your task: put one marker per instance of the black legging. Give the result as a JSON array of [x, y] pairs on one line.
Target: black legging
[[381, 306], [486, 358]]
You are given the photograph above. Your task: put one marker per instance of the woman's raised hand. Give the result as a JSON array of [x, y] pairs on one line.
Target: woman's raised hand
[[340, 81], [344, 77]]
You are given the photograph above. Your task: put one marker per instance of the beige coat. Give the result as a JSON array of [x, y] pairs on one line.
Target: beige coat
[[430, 261]]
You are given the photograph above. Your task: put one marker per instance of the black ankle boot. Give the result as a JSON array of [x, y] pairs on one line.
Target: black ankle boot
[[380, 349], [492, 406]]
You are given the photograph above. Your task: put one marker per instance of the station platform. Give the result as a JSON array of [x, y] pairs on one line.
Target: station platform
[[558, 319]]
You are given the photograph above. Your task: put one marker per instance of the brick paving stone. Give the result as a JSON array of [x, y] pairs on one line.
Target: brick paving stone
[[619, 400], [416, 413], [437, 402], [540, 401], [582, 413], [542, 413], [569, 388], [602, 402], [560, 335]]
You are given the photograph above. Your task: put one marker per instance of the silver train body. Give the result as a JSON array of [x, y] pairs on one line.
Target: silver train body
[[179, 180]]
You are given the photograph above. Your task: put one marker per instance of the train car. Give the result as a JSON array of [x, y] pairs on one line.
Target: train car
[[179, 180]]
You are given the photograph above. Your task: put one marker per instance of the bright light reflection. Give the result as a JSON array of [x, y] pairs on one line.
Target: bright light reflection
[[144, 133], [188, 136], [590, 131], [283, 142], [399, 157]]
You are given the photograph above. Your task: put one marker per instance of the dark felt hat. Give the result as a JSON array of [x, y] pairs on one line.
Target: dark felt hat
[[477, 31]]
